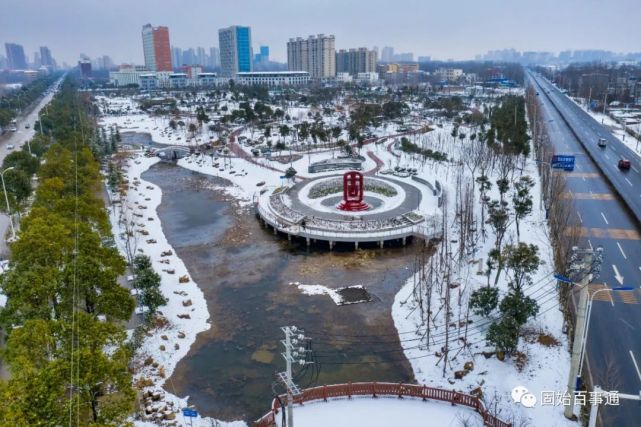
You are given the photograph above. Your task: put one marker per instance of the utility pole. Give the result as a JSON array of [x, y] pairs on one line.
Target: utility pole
[[6, 198], [292, 354], [587, 265], [577, 345]]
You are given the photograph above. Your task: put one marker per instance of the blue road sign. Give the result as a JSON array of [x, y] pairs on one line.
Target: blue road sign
[[563, 279], [190, 412], [565, 162], [283, 177]]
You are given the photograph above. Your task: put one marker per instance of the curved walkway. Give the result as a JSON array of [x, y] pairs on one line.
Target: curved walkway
[[238, 151], [411, 202]]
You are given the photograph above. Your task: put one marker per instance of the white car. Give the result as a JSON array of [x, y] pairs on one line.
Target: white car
[[10, 147]]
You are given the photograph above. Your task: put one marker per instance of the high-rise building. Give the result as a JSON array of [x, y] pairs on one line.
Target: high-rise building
[[264, 53], [85, 68], [387, 54], [316, 55], [354, 61], [263, 56], [404, 57], [201, 56], [188, 57], [214, 59], [155, 44], [15, 56], [103, 62], [45, 57], [235, 45], [176, 56]]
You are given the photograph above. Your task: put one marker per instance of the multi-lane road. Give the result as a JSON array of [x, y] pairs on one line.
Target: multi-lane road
[[16, 140], [608, 212]]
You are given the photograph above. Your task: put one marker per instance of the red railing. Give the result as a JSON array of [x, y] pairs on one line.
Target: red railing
[[376, 389]]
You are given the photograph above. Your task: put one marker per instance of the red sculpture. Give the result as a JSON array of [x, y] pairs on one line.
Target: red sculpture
[[353, 192]]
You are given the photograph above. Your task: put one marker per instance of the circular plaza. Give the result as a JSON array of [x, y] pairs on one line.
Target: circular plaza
[[348, 208]]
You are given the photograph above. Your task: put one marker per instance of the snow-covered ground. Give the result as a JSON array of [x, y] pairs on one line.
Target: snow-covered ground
[[382, 412], [334, 294], [615, 127], [545, 369], [186, 311]]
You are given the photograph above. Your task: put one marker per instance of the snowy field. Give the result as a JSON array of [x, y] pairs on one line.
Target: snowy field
[[546, 368], [382, 412], [615, 127]]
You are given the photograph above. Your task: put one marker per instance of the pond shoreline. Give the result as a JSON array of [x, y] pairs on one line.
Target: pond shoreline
[[228, 370]]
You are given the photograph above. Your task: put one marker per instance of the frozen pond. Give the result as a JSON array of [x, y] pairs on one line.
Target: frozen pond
[[244, 272]]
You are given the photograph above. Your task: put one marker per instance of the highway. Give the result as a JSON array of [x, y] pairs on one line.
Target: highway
[[17, 139], [608, 212], [23, 134]]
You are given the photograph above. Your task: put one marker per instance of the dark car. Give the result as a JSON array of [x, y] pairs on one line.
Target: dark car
[[601, 143], [624, 164]]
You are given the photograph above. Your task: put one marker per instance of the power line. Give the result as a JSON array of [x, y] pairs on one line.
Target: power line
[[416, 331], [378, 362], [419, 331], [404, 349]]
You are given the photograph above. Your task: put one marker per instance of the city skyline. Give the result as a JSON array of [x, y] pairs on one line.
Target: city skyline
[[412, 26]]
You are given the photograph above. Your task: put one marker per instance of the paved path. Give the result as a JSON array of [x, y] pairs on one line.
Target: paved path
[[235, 148], [378, 161], [411, 203]]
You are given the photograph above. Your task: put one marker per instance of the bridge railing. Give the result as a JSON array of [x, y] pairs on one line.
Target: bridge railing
[[375, 389], [285, 225]]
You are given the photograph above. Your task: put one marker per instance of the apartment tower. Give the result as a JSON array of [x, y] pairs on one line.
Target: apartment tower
[[235, 44], [316, 55], [156, 48]]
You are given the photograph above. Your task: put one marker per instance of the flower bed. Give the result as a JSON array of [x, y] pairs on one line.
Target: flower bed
[[333, 186]]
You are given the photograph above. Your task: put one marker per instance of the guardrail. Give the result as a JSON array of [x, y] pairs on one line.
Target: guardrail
[[375, 389], [632, 203], [437, 190], [314, 232]]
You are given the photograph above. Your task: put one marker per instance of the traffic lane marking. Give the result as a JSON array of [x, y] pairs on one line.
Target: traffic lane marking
[[603, 233], [601, 296], [621, 249], [587, 196], [579, 174], [605, 219], [634, 361]]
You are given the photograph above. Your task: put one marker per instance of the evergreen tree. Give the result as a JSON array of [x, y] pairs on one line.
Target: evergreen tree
[[484, 301], [147, 282], [522, 200]]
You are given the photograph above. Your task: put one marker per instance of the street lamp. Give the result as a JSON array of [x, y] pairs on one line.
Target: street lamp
[[6, 198], [584, 310], [587, 321]]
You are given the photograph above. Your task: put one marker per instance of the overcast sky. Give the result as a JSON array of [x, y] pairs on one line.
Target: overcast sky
[[443, 29]]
